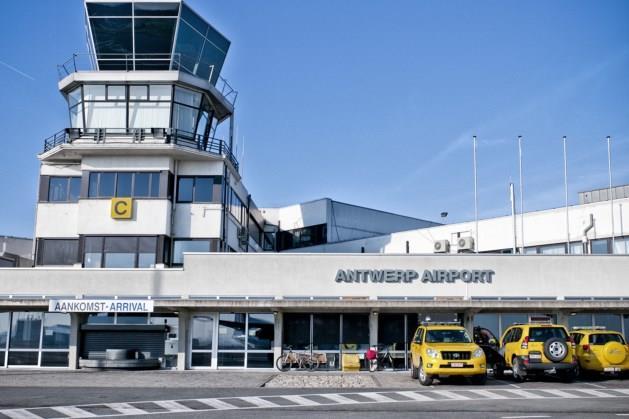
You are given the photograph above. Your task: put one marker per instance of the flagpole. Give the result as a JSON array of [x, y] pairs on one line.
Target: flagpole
[[475, 198], [611, 192], [521, 195], [565, 186]]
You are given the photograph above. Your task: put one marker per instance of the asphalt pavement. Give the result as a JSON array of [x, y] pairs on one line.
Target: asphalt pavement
[[239, 394]]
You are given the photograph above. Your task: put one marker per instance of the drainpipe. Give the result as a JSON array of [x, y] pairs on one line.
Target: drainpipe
[[586, 246]]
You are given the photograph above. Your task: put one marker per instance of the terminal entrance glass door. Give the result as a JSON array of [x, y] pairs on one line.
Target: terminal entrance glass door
[[331, 334]]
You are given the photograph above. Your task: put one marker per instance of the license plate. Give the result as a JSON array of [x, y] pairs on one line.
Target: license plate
[[457, 364], [535, 356], [612, 369]]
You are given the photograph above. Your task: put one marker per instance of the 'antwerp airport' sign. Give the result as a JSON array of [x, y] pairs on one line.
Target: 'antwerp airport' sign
[[448, 276]]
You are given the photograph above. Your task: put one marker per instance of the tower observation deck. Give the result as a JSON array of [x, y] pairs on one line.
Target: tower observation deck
[[151, 76]]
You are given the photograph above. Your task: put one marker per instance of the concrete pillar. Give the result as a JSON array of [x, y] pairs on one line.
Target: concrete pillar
[[76, 319], [278, 330], [468, 321], [373, 328], [563, 318], [184, 330]]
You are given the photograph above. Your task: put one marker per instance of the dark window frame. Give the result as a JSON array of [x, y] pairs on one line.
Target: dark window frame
[[210, 240], [194, 192], [103, 245], [41, 253], [68, 180], [154, 180]]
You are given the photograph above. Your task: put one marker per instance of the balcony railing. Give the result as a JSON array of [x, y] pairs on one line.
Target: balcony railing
[[129, 62], [177, 137]]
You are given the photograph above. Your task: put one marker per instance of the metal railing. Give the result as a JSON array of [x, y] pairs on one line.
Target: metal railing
[[132, 62], [177, 137]]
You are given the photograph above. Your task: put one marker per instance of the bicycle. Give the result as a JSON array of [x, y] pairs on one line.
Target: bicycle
[[307, 361], [385, 359]]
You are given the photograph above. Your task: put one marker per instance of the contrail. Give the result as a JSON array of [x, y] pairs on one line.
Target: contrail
[[10, 67]]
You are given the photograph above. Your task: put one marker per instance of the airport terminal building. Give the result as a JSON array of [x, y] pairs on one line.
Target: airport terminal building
[[151, 252]]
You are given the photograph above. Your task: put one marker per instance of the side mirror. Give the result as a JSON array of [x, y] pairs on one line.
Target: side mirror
[[492, 341]]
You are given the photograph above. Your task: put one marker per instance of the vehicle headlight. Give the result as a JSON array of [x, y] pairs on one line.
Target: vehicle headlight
[[433, 353], [478, 353]]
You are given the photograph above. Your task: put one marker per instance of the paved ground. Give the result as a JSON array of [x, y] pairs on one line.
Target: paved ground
[[240, 394]]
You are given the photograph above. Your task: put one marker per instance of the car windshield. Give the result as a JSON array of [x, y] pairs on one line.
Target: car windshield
[[542, 334], [603, 338], [447, 336]]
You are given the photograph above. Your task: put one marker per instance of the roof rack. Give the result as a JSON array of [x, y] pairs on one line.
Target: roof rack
[[589, 328], [441, 324], [544, 322]]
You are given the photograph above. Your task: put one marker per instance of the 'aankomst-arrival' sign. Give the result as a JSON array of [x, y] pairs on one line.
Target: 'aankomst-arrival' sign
[[101, 306]]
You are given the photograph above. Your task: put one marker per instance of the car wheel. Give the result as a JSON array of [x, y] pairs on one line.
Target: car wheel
[[479, 379], [424, 379], [414, 371], [555, 349], [518, 371]]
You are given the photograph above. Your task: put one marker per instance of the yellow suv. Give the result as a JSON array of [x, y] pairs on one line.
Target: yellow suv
[[445, 349], [537, 348], [600, 351]]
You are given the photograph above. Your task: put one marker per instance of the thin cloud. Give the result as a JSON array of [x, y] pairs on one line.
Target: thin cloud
[[21, 73], [465, 139]]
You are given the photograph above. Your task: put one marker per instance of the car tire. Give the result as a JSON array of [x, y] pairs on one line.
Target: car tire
[[424, 379], [555, 349], [414, 371], [518, 370], [479, 379]]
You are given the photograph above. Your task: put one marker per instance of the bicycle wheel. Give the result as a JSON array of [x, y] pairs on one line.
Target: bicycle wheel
[[282, 363]]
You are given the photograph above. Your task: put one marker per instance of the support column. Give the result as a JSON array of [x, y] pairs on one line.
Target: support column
[[563, 318], [182, 343], [373, 328], [278, 330], [468, 321], [73, 350]]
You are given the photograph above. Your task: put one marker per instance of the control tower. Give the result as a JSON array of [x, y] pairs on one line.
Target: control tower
[[140, 174]]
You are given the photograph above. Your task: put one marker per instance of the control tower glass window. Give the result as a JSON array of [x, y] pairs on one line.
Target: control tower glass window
[[144, 36]]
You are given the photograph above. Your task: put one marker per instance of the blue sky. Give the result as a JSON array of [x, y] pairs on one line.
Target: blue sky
[[372, 103]]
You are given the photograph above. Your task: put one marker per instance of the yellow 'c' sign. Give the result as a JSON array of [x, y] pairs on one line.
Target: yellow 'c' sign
[[121, 208]]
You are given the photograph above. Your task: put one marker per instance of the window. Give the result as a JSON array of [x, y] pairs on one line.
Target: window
[[610, 321], [302, 237], [120, 252], [542, 334], [201, 334], [621, 246], [64, 189], [603, 338], [195, 189], [237, 208], [355, 332], [35, 339], [186, 245], [57, 251], [600, 247], [124, 184], [553, 249]]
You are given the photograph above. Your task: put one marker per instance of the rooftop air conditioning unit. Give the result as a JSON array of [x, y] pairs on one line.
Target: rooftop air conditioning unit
[[466, 244], [442, 246]]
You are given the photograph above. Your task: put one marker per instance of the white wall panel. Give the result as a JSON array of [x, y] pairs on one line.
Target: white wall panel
[[197, 220], [150, 217], [57, 220]]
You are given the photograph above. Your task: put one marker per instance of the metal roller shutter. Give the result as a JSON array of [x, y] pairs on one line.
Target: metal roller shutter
[[143, 341]]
